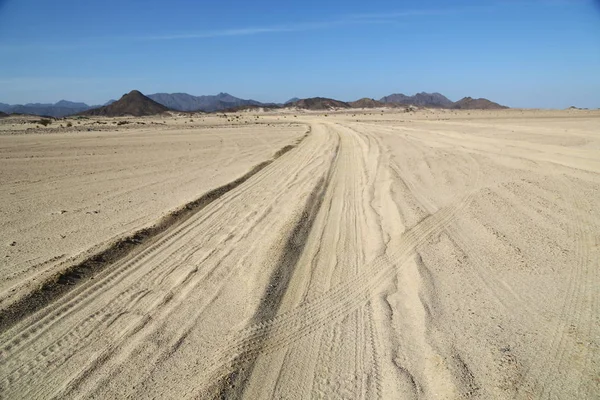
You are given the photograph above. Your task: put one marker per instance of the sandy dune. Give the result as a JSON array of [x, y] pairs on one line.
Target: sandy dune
[[388, 255]]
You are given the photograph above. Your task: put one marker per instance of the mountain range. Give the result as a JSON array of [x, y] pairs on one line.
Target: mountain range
[[225, 101], [187, 102], [432, 100], [366, 102], [59, 109]]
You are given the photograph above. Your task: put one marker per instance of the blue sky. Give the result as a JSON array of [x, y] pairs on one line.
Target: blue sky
[[537, 53]]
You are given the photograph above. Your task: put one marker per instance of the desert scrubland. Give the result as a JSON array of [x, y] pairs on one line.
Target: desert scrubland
[[382, 254]]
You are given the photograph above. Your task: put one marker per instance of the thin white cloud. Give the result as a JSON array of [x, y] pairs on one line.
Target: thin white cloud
[[247, 31], [400, 14], [295, 27], [212, 34], [393, 16], [348, 19]]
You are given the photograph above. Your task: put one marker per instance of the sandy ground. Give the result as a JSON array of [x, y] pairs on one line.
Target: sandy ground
[[435, 254], [67, 193]]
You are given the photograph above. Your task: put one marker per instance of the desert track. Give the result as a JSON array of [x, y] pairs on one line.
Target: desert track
[[448, 258]]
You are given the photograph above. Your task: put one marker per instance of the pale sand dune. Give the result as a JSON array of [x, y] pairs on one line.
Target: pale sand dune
[[436, 254]]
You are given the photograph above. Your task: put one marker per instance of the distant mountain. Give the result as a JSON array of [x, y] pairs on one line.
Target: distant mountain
[[2, 114], [44, 110], [38, 105], [59, 109], [318, 103], [438, 100], [133, 103], [107, 103], [397, 98], [41, 109], [420, 99], [292, 100], [71, 104], [187, 102], [469, 103], [368, 103], [179, 101]]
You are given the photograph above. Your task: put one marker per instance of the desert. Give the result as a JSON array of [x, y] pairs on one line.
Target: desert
[[359, 253]]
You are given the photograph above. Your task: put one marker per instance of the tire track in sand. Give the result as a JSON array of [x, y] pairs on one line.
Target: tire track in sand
[[60, 284], [74, 337], [233, 386], [334, 304], [570, 316]]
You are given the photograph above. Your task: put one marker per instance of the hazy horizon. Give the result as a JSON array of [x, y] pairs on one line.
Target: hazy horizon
[[533, 54]]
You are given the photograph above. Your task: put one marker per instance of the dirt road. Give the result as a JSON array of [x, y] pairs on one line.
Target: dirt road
[[382, 257]]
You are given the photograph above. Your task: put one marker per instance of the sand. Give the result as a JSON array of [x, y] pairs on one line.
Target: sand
[[68, 193], [431, 254]]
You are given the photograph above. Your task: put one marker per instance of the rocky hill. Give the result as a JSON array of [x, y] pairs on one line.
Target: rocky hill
[[188, 102], [420, 99], [368, 103], [133, 103], [469, 103], [318, 103]]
